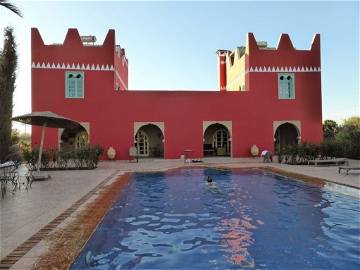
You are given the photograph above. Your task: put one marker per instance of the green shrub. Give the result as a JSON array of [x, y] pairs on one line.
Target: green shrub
[[83, 158], [330, 148], [343, 140], [298, 154], [349, 138], [340, 142]]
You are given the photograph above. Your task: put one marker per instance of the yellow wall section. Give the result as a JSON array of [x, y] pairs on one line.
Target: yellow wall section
[[235, 70]]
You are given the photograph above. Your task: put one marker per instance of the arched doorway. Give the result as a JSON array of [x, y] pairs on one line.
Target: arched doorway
[[74, 139], [217, 141], [149, 141], [286, 134]]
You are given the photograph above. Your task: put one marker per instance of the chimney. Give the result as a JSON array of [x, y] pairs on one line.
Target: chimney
[[222, 69]]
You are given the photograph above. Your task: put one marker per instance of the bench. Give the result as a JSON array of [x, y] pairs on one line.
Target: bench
[[334, 161], [348, 168]]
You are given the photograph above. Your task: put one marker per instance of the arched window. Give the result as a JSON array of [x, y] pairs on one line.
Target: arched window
[[286, 134], [74, 84], [142, 143], [82, 140], [220, 139], [74, 139], [217, 140], [286, 86]]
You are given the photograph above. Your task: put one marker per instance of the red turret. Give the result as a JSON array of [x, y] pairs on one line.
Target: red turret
[[222, 69]]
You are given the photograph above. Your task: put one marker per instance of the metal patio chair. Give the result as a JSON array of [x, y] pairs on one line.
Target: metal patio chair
[[9, 176], [29, 175]]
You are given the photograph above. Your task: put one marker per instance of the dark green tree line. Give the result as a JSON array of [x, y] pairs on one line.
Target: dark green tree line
[[8, 64], [343, 140]]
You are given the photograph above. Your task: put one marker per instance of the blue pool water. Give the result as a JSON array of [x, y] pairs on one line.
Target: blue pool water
[[246, 219]]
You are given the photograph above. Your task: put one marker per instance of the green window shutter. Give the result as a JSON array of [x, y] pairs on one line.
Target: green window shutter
[[290, 84], [71, 87], [282, 86], [286, 86], [74, 84], [80, 86]]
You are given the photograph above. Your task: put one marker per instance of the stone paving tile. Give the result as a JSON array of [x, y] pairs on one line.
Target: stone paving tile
[[329, 173], [24, 264], [25, 212]]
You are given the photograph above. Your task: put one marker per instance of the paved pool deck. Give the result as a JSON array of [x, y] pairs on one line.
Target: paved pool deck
[[25, 212]]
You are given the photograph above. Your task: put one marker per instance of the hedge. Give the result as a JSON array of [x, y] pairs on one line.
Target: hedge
[[53, 159]]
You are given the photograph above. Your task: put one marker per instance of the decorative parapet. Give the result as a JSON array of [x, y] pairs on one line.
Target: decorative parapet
[[72, 66], [284, 69], [284, 44], [271, 69]]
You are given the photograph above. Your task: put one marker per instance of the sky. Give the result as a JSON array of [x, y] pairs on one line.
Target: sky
[[172, 45]]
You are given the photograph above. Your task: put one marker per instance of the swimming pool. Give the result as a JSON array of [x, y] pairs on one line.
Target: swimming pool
[[245, 219]]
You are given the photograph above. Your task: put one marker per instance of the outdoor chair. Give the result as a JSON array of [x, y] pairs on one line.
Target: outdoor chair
[[29, 175], [209, 150], [133, 154], [9, 176]]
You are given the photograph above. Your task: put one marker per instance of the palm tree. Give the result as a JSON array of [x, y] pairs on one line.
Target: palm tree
[[11, 7]]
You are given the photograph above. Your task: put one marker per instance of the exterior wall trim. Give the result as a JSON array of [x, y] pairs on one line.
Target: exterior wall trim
[[96, 67], [227, 124], [85, 125], [283, 69], [296, 123], [121, 80], [138, 125], [274, 69]]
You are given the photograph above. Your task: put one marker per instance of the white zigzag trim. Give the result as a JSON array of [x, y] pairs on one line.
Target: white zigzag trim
[[121, 81], [72, 66], [283, 69]]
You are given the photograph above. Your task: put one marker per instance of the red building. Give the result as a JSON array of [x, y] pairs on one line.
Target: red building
[[267, 96]]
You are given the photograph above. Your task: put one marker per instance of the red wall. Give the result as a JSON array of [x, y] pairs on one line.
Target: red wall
[[112, 114], [121, 67]]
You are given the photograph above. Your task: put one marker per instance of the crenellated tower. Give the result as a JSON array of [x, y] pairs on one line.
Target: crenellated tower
[[75, 55], [245, 64]]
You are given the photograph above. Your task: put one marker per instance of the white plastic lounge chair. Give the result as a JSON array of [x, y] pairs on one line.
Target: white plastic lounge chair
[[333, 161], [348, 168]]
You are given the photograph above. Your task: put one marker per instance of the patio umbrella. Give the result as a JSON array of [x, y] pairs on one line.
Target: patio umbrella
[[46, 119]]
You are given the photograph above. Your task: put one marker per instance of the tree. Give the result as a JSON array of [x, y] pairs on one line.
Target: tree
[[353, 122], [330, 129], [8, 64], [349, 137], [8, 5], [15, 136]]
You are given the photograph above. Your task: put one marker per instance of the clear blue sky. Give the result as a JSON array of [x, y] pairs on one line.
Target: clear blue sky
[[172, 45]]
